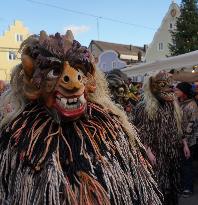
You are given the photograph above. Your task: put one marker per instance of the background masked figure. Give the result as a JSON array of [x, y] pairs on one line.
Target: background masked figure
[[121, 94], [65, 142], [159, 121]]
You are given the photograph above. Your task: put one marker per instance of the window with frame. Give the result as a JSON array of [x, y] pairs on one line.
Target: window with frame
[[161, 46], [135, 78], [12, 55], [114, 64], [19, 37]]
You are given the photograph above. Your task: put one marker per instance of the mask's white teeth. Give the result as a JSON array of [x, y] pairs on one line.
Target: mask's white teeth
[[82, 99], [71, 103], [70, 100], [67, 106], [64, 101]]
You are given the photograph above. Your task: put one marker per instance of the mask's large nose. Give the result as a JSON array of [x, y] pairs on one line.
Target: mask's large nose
[[71, 78]]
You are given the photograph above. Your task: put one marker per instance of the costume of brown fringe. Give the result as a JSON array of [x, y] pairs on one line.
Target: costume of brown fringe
[[161, 135], [88, 162]]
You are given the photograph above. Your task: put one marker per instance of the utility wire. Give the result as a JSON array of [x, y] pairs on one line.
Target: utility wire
[[98, 30], [90, 15]]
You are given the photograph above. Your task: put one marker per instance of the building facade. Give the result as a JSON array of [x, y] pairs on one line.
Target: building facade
[[108, 60], [10, 43], [128, 53], [159, 47]]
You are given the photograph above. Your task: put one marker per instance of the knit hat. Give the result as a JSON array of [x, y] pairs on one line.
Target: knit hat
[[186, 88]]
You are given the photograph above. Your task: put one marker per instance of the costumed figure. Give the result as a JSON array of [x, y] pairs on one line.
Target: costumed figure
[[121, 94], [4, 87], [134, 90], [189, 108], [65, 142], [158, 119]]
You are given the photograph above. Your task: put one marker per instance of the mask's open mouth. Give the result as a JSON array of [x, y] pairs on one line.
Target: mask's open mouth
[[70, 107], [169, 96]]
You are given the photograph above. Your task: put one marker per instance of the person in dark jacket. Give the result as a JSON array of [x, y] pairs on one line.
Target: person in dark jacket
[[189, 108]]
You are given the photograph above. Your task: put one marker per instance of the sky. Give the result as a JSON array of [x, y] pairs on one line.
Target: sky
[[118, 21]]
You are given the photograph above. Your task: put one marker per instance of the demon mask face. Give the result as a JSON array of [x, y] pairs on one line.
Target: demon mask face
[[161, 86], [58, 72], [117, 86]]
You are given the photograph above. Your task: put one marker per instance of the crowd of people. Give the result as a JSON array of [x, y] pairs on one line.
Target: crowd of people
[[166, 116], [70, 134]]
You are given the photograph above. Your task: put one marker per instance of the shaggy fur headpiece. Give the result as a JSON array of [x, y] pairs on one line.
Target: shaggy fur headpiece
[[152, 103]]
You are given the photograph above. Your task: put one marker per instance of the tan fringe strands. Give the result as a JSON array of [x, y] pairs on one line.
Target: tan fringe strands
[[86, 162]]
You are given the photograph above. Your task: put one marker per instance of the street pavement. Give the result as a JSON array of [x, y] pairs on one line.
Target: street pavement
[[192, 200]]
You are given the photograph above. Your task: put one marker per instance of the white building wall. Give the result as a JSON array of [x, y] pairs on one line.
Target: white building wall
[[158, 48]]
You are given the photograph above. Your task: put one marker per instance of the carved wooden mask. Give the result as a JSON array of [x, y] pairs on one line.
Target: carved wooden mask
[[59, 72]]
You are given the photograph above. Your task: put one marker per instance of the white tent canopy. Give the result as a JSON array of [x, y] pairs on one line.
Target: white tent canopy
[[187, 60]]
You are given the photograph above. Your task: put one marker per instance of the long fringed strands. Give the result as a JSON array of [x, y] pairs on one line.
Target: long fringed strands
[[85, 162], [161, 135]]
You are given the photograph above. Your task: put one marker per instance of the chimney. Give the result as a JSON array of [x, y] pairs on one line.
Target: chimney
[[145, 47], [139, 56]]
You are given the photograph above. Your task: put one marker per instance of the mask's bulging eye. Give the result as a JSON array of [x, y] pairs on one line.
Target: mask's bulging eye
[[55, 67], [79, 77], [121, 90], [53, 74], [66, 79], [162, 84]]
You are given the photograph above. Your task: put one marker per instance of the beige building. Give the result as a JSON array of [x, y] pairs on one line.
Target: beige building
[[10, 42], [158, 49]]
